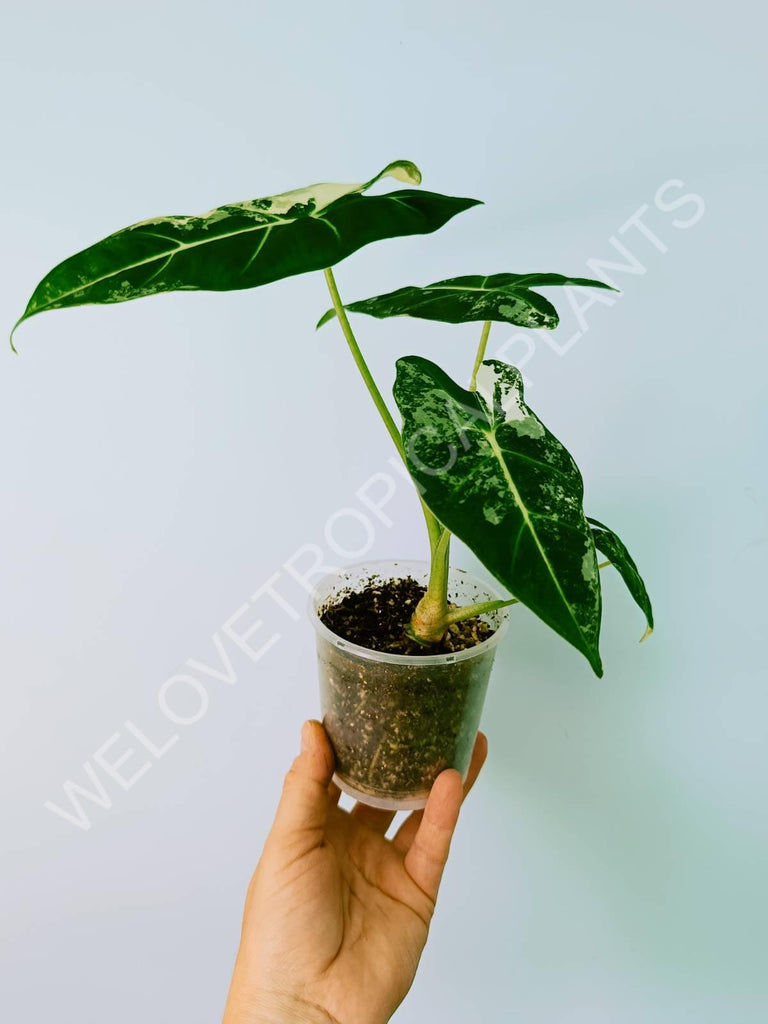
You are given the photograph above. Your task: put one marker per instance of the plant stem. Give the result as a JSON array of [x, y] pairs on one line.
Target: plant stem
[[431, 617], [437, 589], [480, 354], [361, 364], [429, 621], [433, 526]]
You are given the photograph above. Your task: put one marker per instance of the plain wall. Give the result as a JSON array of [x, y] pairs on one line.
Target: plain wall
[[161, 461]]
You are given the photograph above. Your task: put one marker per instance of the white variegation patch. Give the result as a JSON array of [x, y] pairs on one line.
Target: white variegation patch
[[501, 387], [589, 565], [315, 197], [510, 389], [523, 316]]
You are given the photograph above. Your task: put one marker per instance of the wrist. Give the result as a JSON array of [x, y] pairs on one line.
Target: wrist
[[279, 1008]]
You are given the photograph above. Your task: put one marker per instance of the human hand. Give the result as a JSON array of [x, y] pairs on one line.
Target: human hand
[[337, 915]]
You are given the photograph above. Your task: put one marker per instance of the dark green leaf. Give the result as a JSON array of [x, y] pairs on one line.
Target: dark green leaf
[[458, 300], [494, 475], [242, 245], [614, 550]]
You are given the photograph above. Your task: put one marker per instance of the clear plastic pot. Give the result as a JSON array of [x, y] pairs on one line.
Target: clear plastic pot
[[396, 721]]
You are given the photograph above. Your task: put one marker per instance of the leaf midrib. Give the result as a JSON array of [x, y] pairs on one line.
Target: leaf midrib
[[467, 288], [499, 455]]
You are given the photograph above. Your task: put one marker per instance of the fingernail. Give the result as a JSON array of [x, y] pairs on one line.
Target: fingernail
[[305, 737]]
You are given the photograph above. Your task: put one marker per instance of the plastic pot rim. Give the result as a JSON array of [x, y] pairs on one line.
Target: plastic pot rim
[[383, 568]]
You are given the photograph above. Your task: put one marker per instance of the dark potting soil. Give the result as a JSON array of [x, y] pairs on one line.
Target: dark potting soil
[[376, 616]]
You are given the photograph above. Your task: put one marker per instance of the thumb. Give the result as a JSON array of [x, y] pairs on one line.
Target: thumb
[[303, 807]]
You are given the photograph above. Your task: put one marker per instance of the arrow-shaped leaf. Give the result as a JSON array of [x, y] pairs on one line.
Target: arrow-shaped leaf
[[504, 297], [615, 550], [242, 245], [494, 475]]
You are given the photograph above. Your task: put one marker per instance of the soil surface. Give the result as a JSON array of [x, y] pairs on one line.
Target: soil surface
[[376, 617]]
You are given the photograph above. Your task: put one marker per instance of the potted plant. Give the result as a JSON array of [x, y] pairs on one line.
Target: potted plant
[[405, 649]]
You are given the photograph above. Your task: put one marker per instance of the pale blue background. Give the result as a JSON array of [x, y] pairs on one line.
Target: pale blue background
[[160, 461]]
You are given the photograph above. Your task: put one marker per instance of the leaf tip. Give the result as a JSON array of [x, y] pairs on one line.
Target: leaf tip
[[646, 634], [403, 170], [592, 654], [329, 314], [13, 331]]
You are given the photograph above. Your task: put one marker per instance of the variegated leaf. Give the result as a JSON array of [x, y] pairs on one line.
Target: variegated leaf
[[494, 475], [242, 245], [504, 297], [615, 550]]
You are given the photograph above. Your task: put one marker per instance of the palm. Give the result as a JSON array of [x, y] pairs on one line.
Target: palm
[[338, 911], [370, 919]]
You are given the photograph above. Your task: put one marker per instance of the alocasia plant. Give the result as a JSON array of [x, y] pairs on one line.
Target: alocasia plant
[[485, 466]]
